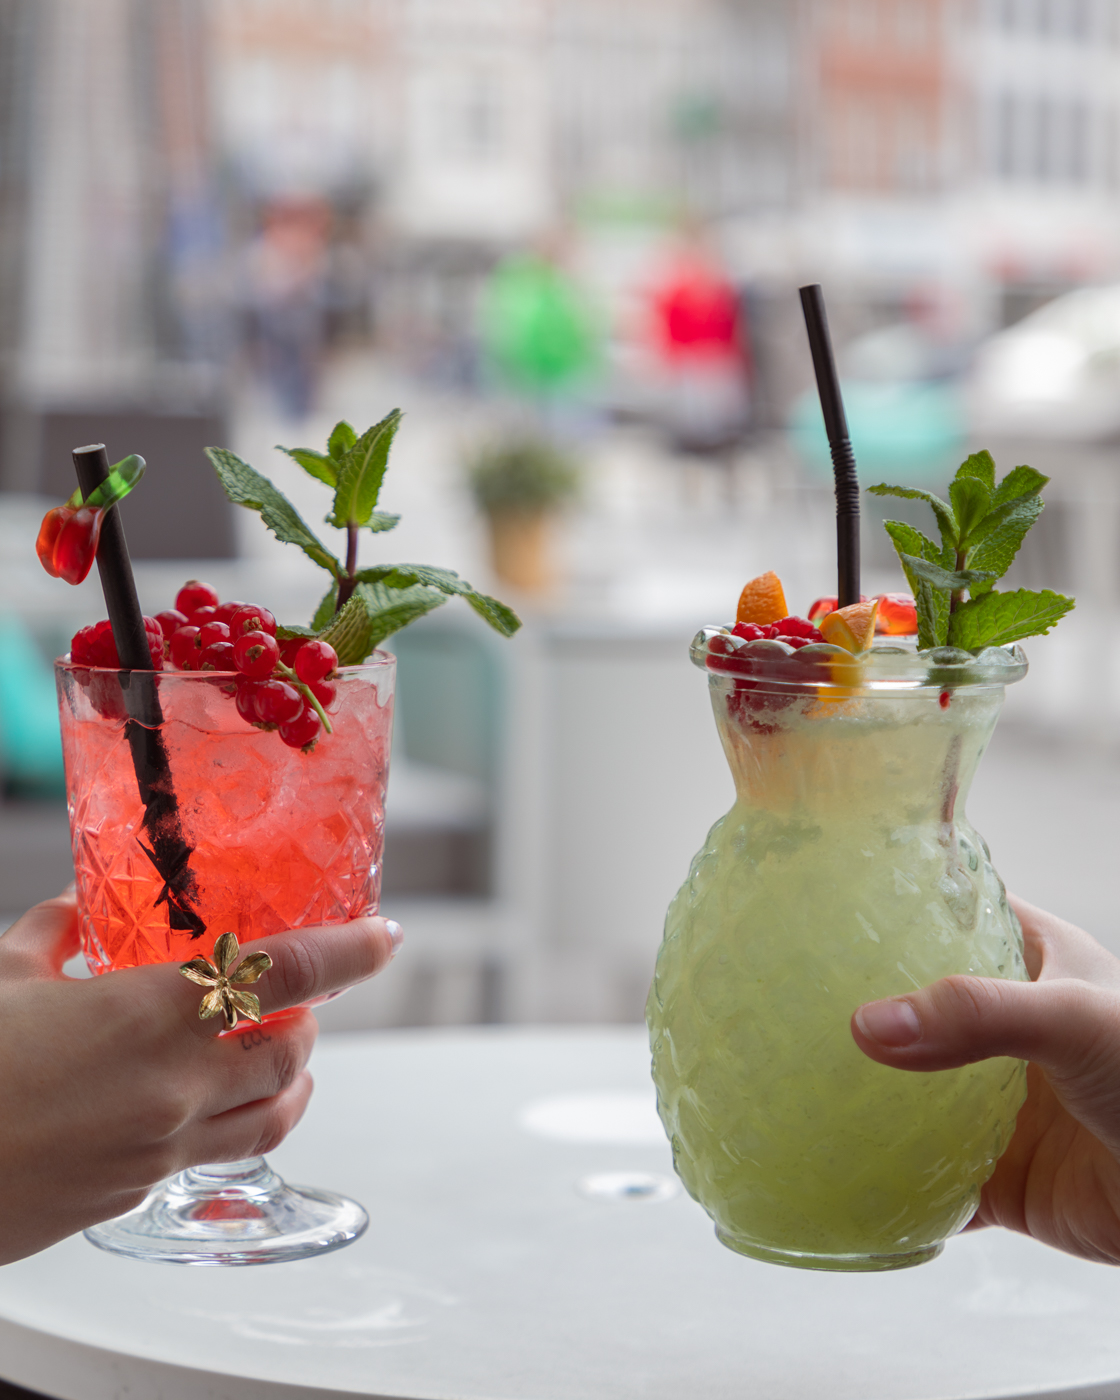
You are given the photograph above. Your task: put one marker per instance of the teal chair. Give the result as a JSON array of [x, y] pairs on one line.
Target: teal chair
[[30, 740]]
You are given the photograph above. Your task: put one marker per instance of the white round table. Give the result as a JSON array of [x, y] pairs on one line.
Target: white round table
[[493, 1270]]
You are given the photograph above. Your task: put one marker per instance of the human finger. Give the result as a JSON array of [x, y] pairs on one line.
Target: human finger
[[39, 942], [960, 1020], [310, 963], [255, 1062], [250, 1130], [1055, 948]]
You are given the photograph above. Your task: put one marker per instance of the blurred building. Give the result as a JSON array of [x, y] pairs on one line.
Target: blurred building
[[962, 145]]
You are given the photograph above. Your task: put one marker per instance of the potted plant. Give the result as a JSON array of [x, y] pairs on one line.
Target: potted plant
[[520, 484]]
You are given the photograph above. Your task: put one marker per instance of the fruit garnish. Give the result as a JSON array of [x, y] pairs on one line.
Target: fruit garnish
[[898, 615], [853, 627], [762, 600], [982, 526], [70, 533]]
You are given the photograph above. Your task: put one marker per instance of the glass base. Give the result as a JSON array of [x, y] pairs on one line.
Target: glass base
[[834, 1263], [231, 1213]]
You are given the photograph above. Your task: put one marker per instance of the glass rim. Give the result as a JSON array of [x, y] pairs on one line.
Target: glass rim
[[377, 661], [893, 666]]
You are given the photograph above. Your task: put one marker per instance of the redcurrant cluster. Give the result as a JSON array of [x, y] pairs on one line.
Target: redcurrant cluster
[[282, 685], [796, 632], [750, 700], [95, 647]]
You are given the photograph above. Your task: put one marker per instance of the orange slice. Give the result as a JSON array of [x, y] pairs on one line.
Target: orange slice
[[762, 601], [853, 627]]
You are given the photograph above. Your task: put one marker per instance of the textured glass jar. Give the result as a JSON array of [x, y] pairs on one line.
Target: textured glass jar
[[846, 871]]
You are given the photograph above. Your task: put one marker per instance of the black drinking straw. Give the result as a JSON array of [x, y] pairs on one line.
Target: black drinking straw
[[169, 851], [839, 444]]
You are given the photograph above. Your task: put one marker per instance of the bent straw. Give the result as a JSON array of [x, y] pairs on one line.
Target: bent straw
[[839, 445], [169, 851]]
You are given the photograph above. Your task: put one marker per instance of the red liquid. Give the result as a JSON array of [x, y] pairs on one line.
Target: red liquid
[[281, 839]]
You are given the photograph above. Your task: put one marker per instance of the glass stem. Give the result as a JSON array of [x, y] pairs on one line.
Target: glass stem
[[249, 1176]]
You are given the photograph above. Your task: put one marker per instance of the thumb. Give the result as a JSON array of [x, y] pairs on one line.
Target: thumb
[[1068, 1027], [40, 942]]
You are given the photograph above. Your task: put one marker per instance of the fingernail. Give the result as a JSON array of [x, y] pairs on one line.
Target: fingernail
[[396, 933], [891, 1023]]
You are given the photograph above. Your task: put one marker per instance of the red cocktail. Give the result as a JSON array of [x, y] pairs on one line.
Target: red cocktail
[[267, 837], [278, 838]]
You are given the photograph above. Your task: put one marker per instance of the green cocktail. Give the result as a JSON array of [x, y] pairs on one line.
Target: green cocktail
[[845, 872]]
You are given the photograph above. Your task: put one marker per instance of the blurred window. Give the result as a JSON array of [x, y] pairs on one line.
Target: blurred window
[[1081, 19], [913, 24], [473, 119], [1041, 136], [1007, 140], [863, 23]]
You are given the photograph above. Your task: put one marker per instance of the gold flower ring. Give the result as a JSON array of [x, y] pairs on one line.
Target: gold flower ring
[[223, 983]]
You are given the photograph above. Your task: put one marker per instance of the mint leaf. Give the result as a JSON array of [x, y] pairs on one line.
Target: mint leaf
[[981, 466], [390, 609], [342, 438], [997, 619], [1019, 481], [313, 463], [501, 618], [286, 633], [995, 551], [971, 503], [361, 471], [946, 521], [380, 521], [948, 579], [933, 607], [246, 487], [326, 609], [350, 633], [933, 614]]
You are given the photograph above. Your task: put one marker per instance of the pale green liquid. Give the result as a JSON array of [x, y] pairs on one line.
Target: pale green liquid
[[833, 881]]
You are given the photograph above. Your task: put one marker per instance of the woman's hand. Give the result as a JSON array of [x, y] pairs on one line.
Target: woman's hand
[[1059, 1179], [109, 1084]]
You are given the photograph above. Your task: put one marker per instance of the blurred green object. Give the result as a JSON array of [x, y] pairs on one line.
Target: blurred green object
[[537, 330], [905, 429], [523, 474], [30, 739]]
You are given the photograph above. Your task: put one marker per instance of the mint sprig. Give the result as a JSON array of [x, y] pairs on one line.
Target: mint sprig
[[982, 527], [362, 607]]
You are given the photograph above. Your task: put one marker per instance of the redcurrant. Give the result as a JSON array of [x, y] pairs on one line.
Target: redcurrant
[[225, 612], [277, 702], [211, 632], [201, 616], [303, 730], [194, 595], [185, 648], [315, 661], [171, 621], [218, 656], [154, 633], [255, 654], [251, 619], [323, 691], [246, 699], [750, 631], [289, 648]]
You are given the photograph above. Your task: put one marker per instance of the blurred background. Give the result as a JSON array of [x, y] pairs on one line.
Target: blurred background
[[565, 236]]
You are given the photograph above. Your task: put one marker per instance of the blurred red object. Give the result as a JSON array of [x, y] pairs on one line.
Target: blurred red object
[[897, 617]]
